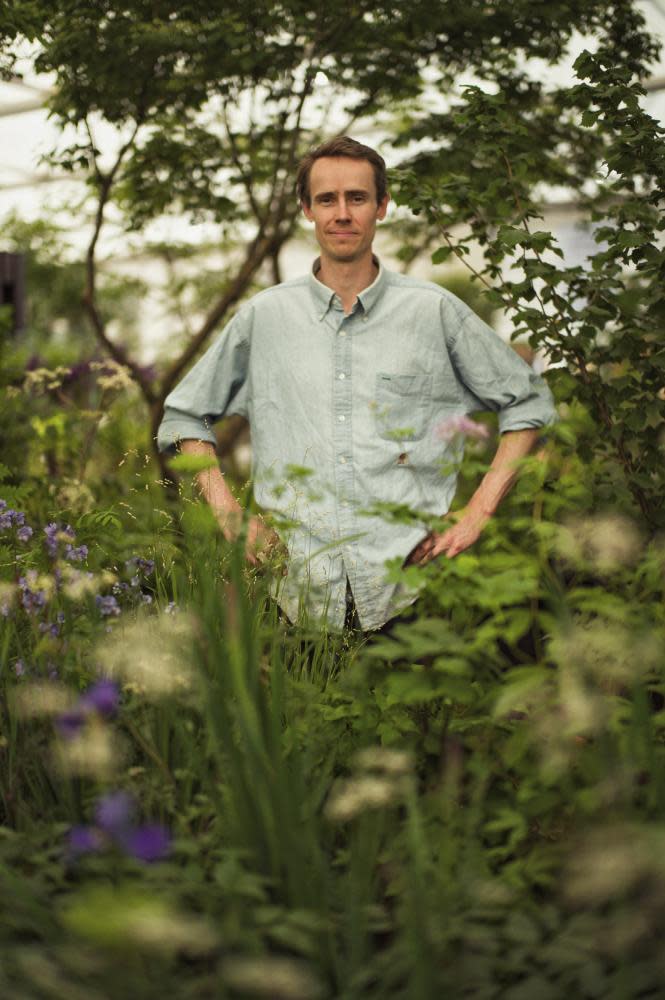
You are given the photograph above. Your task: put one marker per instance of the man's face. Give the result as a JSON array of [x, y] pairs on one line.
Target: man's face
[[343, 207]]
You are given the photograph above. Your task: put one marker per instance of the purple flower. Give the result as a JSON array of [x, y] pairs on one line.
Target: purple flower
[[83, 840], [14, 518], [33, 600], [51, 541], [76, 554], [107, 605], [148, 843], [53, 628], [144, 566], [171, 608], [55, 533], [114, 814], [115, 824], [102, 697], [19, 668], [460, 425], [70, 723]]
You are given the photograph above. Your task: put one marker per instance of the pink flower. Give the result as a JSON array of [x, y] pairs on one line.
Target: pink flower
[[462, 425]]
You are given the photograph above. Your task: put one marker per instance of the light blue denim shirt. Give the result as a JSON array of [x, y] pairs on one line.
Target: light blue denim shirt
[[356, 400]]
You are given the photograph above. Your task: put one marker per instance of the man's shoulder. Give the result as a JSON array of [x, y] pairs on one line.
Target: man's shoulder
[[284, 290], [417, 285], [425, 291]]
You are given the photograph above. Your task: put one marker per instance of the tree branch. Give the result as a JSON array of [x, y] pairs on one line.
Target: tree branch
[[244, 176], [263, 246], [117, 352]]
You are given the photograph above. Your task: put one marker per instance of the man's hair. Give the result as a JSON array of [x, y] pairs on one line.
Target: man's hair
[[341, 145]]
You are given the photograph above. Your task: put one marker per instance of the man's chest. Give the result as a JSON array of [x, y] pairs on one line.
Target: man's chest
[[360, 361]]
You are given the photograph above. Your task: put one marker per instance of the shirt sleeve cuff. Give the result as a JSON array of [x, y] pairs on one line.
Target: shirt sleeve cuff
[[527, 416], [172, 430]]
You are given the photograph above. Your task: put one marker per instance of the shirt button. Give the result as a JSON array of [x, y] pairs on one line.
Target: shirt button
[[341, 418], [365, 318], [342, 460], [341, 375], [342, 333]]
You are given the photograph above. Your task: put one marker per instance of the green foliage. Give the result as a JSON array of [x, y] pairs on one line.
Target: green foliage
[[600, 321], [207, 110], [470, 804], [417, 813]]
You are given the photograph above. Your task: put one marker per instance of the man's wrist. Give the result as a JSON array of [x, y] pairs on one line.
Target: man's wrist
[[229, 520], [477, 511]]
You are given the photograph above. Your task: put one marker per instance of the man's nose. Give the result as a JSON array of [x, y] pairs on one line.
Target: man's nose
[[342, 209]]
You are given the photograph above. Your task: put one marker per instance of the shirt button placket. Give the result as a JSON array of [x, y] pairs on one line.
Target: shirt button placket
[[343, 428]]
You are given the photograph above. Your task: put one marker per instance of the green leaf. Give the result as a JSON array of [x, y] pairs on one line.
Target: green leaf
[[190, 465], [522, 687], [442, 254]]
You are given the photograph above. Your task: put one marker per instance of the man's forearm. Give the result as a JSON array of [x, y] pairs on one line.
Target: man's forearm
[[501, 475], [513, 446], [214, 488], [260, 538]]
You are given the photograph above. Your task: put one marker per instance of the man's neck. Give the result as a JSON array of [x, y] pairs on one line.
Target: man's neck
[[347, 279]]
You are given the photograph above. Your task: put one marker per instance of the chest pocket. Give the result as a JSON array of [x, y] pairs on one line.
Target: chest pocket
[[402, 406]]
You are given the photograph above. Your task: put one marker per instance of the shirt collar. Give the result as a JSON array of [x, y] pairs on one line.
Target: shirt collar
[[323, 295]]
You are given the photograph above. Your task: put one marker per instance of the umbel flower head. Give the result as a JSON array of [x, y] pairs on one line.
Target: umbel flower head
[[152, 653], [381, 779]]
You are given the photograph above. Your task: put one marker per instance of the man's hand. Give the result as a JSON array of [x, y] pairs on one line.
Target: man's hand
[[261, 542], [514, 446], [451, 542]]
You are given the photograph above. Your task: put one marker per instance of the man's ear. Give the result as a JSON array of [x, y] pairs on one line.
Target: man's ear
[[383, 206], [307, 210]]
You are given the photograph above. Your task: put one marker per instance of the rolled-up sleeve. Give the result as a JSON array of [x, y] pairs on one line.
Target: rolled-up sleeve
[[498, 378], [215, 387]]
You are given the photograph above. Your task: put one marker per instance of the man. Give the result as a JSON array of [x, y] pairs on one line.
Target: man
[[344, 376]]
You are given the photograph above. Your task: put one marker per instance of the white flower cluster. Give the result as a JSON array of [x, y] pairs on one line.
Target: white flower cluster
[[44, 379], [382, 778], [153, 654], [112, 376], [272, 977], [603, 542]]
